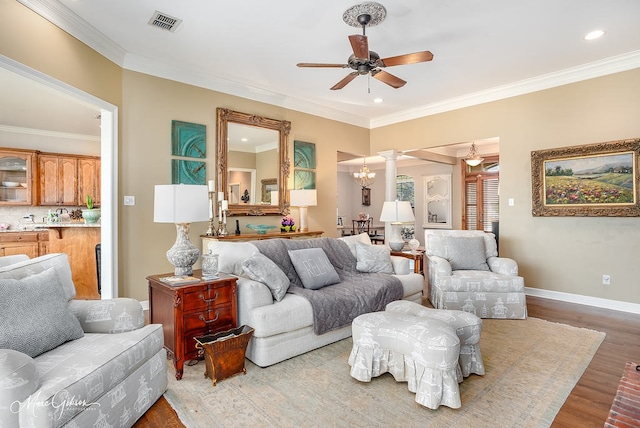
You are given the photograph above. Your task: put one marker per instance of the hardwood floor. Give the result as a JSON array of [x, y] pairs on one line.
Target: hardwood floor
[[588, 404]]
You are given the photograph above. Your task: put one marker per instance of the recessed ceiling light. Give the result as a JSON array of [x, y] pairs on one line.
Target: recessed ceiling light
[[244, 140], [596, 34], [377, 100]]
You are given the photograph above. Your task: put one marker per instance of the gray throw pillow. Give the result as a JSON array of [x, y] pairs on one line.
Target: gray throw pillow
[[313, 267], [373, 258], [262, 269], [34, 317], [466, 253]]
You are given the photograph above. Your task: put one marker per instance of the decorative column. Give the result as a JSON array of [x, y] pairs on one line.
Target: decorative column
[[390, 173]]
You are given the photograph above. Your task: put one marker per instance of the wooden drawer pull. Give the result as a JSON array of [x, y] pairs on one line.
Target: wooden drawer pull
[[210, 321], [210, 300]]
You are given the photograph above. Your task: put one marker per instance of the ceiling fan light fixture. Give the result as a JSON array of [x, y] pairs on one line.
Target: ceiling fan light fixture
[[473, 158]]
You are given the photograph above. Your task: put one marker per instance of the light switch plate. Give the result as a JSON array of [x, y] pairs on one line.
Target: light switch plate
[[129, 200], [512, 202]]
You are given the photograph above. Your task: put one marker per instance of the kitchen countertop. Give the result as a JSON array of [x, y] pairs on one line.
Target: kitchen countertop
[[35, 227]]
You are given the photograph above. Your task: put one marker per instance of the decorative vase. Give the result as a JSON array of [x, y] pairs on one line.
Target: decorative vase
[[91, 216]]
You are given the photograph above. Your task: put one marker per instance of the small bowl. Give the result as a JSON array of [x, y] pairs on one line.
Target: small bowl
[[260, 228], [10, 183]]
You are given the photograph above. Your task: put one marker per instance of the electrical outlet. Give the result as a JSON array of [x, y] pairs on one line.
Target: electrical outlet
[[606, 280], [129, 200], [512, 202]]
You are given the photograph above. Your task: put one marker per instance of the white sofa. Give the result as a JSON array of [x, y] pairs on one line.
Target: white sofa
[[77, 363], [285, 328]]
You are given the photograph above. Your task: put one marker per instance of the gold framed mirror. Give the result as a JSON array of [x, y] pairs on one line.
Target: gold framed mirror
[[250, 149]]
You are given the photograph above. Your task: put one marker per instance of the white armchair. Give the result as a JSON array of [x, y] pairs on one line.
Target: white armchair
[[465, 273]]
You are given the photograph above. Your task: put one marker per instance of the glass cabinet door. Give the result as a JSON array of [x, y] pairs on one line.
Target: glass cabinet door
[[15, 178]]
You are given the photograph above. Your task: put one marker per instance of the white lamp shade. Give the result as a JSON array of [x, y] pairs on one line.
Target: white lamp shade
[[304, 198], [180, 203], [397, 212]]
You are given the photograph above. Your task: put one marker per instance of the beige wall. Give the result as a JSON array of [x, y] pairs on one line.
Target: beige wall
[[149, 105], [562, 254]]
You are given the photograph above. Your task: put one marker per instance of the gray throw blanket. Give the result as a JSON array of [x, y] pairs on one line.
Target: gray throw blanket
[[335, 306]]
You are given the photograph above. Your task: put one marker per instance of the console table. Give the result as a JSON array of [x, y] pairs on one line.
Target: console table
[[258, 236], [188, 311]]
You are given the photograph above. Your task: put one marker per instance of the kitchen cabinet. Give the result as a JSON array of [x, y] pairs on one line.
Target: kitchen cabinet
[[65, 180], [58, 180], [33, 244], [89, 180], [16, 177]]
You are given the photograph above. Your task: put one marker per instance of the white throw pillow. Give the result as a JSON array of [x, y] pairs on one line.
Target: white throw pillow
[[352, 239], [373, 258], [231, 255]]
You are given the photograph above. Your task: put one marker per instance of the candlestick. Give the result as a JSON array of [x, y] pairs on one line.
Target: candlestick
[[212, 187], [225, 205], [220, 196]]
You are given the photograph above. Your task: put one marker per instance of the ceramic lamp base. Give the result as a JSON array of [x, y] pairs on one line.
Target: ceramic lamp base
[[396, 245], [183, 254]]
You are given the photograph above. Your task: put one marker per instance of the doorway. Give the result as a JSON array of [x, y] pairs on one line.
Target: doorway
[[108, 153]]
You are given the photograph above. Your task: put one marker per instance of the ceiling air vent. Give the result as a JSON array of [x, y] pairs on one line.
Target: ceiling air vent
[[164, 21]]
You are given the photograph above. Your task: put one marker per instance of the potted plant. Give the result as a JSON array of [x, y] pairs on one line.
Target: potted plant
[[91, 215], [287, 224]]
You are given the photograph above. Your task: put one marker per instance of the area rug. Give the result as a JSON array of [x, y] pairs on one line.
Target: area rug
[[531, 367]]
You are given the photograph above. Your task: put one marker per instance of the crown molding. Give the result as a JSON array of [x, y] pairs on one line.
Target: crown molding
[[611, 65], [62, 17], [47, 133], [193, 76]]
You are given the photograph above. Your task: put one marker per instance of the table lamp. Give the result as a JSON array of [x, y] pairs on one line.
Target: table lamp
[[181, 204], [396, 213], [302, 199]]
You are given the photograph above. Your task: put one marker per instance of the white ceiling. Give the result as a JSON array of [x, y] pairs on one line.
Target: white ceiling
[[483, 49]]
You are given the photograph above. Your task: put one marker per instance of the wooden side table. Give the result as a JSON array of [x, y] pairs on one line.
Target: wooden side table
[[418, 258], [187, 311]]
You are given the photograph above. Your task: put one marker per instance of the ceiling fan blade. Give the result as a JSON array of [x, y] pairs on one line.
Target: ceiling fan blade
[[312, 64], [388, 78], [411, 58], [341, 84], [360, 46]]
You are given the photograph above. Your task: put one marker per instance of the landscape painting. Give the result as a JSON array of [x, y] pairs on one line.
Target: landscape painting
[[593, 180]]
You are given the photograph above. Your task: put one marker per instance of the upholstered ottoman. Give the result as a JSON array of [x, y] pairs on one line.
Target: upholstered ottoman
[[467, 326], [420, 351]]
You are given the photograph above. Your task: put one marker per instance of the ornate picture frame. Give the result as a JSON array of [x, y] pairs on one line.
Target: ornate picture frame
[[595, 180]]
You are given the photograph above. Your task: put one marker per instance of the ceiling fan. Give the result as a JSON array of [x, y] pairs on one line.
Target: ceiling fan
[[364, 61]]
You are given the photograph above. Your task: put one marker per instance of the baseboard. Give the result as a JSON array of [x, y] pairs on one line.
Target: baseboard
[[145, 305], [615, 305]]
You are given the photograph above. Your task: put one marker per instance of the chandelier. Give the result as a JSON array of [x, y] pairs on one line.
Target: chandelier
[[364, 177], [473, 158]]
